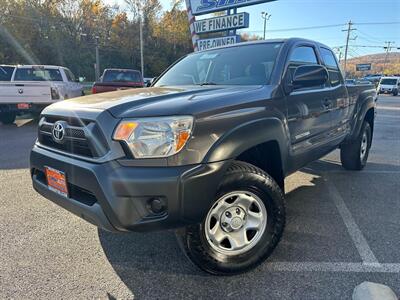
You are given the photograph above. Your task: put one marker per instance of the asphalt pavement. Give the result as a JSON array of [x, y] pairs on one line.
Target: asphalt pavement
[[343, 228]]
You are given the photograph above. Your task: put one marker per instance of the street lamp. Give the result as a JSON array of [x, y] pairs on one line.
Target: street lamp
[[266, 17]]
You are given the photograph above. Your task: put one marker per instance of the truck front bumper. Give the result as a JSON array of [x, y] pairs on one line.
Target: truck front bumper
[[120, 198]]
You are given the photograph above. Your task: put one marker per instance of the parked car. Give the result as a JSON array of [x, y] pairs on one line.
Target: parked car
[[374, 78], [350, 81], [6, 72], [32, 88], [118, 79], [389, 85], [206, 149]]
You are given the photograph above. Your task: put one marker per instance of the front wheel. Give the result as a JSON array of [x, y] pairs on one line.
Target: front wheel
[[354, 154], [243, 226]]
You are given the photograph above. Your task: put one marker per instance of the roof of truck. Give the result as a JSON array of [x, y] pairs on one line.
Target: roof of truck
[[41, 66], [267, 41]]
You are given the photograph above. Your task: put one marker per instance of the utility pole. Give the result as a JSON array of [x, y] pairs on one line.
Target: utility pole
[[349, 30], [141, 42], [388, 48], [266, 17], [97, 69]]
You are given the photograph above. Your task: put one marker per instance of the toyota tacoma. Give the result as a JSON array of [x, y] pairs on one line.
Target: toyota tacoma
[[205, 150]]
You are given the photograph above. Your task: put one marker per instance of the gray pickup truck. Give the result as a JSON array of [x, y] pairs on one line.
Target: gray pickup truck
[[206, 149]]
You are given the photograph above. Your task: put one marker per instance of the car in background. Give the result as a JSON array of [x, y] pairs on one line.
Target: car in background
[[350, 81], [118, 79], [389, 85], [6, 72], [32, 87], [374, 78]]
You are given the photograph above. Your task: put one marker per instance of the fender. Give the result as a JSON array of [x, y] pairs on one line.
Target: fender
[[248, 135], [359, 116]]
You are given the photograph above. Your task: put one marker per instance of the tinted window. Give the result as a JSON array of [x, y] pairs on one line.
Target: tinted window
[[243, 65], [329, 58], [37, 74], [388, 81], [304, 55], [6, 73], [121, 76], [334, 77]]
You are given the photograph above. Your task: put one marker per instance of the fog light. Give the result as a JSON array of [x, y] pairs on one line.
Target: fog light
[[157, 205]]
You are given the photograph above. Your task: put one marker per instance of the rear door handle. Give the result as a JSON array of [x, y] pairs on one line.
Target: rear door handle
[[327, 103]]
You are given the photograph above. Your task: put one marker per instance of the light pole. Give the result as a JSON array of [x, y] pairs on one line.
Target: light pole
[[97, 70], [266, 17]]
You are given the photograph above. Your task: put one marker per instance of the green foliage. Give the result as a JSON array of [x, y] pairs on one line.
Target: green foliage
[[63, 32]]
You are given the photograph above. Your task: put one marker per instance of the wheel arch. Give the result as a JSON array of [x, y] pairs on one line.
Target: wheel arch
[[262, 143]]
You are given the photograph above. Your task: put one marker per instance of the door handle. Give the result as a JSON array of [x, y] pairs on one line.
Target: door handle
[[327, 103]]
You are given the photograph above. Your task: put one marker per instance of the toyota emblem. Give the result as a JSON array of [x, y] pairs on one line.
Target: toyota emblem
[[20, 91], [58, 131]]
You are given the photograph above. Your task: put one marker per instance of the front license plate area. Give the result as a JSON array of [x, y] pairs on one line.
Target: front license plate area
[[56, 181]]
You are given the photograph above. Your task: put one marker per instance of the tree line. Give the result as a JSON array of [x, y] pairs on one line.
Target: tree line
[[65, 32]]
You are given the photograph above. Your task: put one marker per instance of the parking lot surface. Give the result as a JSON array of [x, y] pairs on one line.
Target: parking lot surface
[[343, 228]]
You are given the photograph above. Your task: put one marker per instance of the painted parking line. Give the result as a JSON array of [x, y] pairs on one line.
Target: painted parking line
[[388, 108], [332, 267], [363, 172], [320, 173], [354, 231]]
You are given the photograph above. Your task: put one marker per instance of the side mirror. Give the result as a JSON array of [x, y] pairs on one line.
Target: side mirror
[[309, 76], [150, 82]]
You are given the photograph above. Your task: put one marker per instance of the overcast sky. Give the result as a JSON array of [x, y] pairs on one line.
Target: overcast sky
[[288, 14]]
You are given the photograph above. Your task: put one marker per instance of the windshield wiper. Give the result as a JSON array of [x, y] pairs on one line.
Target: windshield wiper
[[207, 83]]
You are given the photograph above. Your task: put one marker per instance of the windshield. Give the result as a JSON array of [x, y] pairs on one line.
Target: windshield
[[121, 76], [245, 65], [388, 81], [37, 74], [6, 73]]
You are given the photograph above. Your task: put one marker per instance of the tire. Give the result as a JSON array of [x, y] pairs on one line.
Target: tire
[[7, 117], [248, 183], [354, 155], [395, 93]]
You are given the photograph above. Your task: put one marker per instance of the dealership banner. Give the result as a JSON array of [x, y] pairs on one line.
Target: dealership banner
[[228, 22], [201, 7], [363, 67], [217, 42]]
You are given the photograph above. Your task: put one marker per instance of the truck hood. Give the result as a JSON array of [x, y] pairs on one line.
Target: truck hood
[[159, 101]]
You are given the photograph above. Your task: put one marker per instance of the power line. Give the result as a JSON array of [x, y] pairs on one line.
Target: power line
[[377, 23]]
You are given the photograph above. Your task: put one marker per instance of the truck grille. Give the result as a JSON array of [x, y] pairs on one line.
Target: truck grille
[[80, 137]]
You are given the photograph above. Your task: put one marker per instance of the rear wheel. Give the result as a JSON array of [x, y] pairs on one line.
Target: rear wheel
[[243, 226], [7, 117], [354, 155]]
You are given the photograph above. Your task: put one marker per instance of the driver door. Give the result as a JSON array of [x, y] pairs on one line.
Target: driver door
[[308, 109]]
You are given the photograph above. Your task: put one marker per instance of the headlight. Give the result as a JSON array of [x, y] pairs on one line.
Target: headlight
[[155, 137]]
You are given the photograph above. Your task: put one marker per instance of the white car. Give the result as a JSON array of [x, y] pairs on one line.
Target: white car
[[32, 88], [389, 85]]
